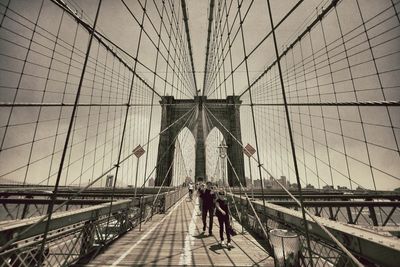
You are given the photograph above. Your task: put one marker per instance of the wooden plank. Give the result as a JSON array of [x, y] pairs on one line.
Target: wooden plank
[[165, 241]]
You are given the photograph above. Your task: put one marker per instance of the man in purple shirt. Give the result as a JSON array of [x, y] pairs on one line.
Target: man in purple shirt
[[208, 198]]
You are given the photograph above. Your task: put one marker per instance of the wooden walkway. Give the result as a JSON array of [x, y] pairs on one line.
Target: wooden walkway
[[175, 239]]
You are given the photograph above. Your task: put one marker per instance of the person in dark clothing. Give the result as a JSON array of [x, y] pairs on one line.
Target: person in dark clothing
[[222, 213], [200, 191], [208, 198]]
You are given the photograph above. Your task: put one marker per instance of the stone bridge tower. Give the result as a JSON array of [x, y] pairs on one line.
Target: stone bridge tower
[[226, 112]]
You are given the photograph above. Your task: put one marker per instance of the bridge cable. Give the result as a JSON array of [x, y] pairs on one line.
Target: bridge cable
[[290, 194], [99, 36], [335, 47], [176, 139], [166, 151], [154, 84], [343, 248], [9, 242], [186, 19], [210, 20], [147, 34], [124, 125], [253, 115], [179, 32], [54, 195], [169, 34], [228, 42], [395, 103]]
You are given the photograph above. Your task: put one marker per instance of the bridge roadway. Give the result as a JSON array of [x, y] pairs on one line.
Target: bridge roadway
[[175, 238]]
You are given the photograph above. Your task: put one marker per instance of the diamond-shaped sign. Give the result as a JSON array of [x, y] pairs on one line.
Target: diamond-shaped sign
[[138, 151], [249, 150]]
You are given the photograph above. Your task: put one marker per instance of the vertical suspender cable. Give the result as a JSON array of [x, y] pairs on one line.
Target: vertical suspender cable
[[185, 19], [290, 133], [71, 122], [210, 20], [152, 95], [252, 111], [125, 120]]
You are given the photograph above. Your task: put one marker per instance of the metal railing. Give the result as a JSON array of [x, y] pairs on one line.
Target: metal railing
[[76, 236], [17, 203], [369, 247]]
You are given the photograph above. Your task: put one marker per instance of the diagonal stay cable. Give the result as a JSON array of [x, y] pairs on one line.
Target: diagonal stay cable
[[210, 20], [99, 37], [294, 7], [323, 13], [217, 166], [166, 151], [16, 237], [185, 19], [248, 199], [335, 240], [149, 38], [172, 163]]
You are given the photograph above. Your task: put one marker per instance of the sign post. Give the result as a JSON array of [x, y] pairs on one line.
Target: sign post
[[249, 151], [138, 152]]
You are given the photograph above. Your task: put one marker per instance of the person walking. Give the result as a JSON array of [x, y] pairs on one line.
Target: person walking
[[191, 188], [200, 191], [208, 197], [222, 212]]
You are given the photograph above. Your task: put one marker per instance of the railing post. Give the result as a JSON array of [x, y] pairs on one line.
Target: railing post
[[349, 215], [87, 237], [140, 212], [26, 208], [331, 216], [372, 215]]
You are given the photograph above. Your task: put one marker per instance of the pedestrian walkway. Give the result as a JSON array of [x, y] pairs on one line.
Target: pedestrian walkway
[[175, 238]]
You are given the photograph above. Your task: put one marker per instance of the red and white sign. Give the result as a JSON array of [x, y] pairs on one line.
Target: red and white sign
[[138, 151], [249, 150]]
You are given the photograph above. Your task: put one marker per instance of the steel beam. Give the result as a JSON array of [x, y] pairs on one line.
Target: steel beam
[[59, 220], [363, 243]]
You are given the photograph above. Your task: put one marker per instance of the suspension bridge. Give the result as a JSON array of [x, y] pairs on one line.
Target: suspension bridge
[[109, 108]]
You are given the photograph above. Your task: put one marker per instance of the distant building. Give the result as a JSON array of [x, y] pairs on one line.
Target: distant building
[[310, 186], [109, 180], [275, 185], [257, 183], [292, 186], [151, 181], [328, 187], [248, 182], [267, 184]]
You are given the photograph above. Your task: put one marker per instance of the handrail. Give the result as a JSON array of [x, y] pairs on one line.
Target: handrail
[[85, 228], [365, 244], [59, 220]]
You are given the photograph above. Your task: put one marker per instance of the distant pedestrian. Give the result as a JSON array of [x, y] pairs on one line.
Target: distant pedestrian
[[208, 197], [191, 188], [222, 212]]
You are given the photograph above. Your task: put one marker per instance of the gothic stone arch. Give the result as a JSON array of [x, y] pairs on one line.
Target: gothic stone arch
[[226, 112]]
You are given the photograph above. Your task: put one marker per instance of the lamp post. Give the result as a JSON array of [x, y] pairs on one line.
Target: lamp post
[[222, 154]]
